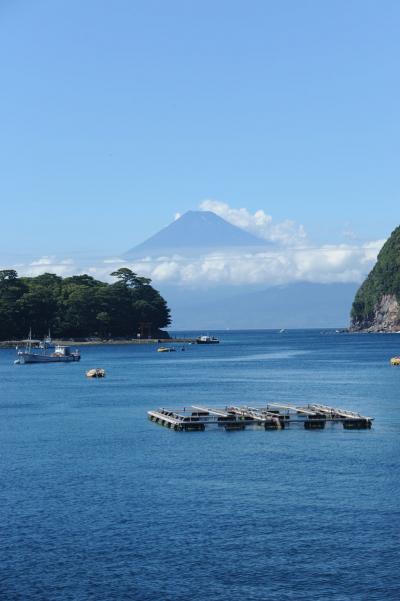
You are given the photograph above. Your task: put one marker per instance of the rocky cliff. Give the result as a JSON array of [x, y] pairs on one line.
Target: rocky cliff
[[376, 307]]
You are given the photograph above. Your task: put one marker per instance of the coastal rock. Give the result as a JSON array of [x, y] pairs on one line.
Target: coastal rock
[[386, 317], [376, 307]]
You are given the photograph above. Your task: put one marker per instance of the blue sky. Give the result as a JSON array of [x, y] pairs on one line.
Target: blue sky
[[116, 115]]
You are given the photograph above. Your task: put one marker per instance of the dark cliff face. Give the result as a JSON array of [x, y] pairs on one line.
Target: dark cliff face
[[385, 318], [376, 305]]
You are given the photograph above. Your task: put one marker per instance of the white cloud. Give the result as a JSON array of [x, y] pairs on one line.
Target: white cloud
[[259, 223], [325, 264], [43, 261], [49, 264]]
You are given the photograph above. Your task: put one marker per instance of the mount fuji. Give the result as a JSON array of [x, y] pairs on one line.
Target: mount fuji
[[297, 304], [193, 233]]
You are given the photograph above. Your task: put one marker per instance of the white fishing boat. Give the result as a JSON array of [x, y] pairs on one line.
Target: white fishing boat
[[43, 352], [207, 340]]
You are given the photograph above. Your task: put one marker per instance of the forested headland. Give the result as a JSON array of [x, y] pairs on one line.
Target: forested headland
[[376, 306], [80, 306]]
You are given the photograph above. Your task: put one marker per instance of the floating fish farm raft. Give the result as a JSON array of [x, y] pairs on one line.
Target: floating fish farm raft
[[275, 416]]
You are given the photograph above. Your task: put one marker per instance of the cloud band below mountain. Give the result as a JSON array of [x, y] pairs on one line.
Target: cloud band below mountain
[[325, 264]]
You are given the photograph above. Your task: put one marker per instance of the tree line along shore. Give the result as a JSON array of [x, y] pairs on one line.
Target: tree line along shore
[[81, 308]]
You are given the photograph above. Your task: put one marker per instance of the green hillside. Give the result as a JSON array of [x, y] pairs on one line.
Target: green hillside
[[384, 279], [79, 306]]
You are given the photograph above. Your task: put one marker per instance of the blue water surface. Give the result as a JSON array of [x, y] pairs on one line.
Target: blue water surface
[[98, 503]]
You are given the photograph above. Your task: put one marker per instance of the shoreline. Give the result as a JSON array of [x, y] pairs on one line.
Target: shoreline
[[11, 344]]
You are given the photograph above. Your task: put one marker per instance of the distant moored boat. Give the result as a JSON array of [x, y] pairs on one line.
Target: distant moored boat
[[207, 340], [97, 372]]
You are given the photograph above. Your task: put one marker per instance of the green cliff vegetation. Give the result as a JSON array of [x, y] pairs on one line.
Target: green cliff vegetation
[[384, 279], [80, 306]]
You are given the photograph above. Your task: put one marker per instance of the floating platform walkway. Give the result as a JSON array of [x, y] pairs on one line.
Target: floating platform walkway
[[275, 416]]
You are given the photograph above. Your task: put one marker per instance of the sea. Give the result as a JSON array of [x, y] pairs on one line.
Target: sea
[[98, 503]]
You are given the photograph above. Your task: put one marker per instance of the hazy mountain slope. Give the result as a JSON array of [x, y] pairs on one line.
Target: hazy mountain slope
[[195, 230], [299, 305]]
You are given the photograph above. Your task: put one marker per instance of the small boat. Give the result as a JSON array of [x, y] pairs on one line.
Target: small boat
[[97, 372], [41, 354], [395, 361], [165, 349], [207, 340]]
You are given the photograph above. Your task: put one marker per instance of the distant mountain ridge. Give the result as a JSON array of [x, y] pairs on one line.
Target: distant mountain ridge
[[297, 305], [376, 307], [195, 230]]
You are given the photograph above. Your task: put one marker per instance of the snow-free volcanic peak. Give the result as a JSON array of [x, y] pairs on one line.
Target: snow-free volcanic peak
[[196, 231]]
